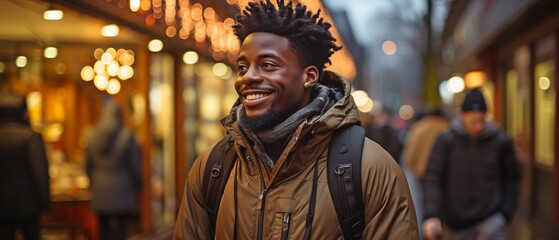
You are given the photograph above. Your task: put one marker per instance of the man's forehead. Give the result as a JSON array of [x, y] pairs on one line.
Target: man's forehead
[[265, 44], [265, 40]]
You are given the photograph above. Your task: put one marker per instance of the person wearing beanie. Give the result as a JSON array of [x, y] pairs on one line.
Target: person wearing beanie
[[474, 101], [24, 177], [472, 176]]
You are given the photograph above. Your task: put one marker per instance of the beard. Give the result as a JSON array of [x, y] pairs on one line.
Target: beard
[[264, 122]]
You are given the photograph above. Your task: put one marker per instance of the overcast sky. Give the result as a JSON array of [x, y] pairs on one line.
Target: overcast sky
[[396, 79], [360, 11]]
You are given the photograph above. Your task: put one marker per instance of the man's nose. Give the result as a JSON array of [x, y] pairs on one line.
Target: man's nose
[[251, 75]]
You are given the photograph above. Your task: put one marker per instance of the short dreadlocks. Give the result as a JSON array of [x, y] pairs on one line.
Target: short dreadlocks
[[306, 32]]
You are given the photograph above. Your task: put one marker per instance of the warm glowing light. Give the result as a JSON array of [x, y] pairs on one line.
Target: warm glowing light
[[171, 31], [99, 67], [360, 97], [134, 5], [108, 66], [87, 73], [208, 109], [53, 15], [110, 30], [126, 59], [544, 83], [100, 82], [455, 84], [125, 72], [367, 107], [190, 57], [21, 61], [98, 53], [113, 68], [220, 69], [2, 67], [446, 95], [209, 13], [474, 79], [112, 51], [107, 58], [228, 74], [155, 45], [113, 86], [406, 112], [389, 47], [50, 52]]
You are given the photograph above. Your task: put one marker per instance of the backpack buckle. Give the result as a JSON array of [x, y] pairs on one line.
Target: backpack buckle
[[216, 171], [340, 168]]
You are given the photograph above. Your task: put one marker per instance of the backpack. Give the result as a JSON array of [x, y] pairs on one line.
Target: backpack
[[344, 179]]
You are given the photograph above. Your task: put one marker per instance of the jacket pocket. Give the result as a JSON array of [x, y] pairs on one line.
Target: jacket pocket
[[285, 226], [283, 218]]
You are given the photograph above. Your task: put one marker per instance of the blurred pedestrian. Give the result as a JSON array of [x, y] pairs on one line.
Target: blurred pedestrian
[[471, 181], [113, 167], [24, 177], [382, 132], [419, 142]]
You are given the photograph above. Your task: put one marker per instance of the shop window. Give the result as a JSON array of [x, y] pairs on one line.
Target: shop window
[[518, 110], [216, 95], [544, 108], [161, 102]]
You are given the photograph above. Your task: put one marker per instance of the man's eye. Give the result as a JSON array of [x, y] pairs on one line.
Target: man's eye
[[267, 65], [241, 68]]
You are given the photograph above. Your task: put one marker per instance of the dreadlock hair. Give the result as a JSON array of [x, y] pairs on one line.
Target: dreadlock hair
[[306, 32]]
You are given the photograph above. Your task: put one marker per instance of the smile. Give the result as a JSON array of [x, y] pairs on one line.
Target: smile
[[255, 96]]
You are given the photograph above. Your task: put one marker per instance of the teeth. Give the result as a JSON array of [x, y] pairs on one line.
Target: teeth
[[255, 96]]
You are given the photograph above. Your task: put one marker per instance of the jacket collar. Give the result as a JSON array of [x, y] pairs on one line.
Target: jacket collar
[[309, 140]]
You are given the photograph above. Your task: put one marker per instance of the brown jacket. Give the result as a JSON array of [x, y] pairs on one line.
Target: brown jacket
[[389, 211]]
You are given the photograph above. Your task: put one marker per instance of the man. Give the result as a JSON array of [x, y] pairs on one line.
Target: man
[[281, 127], [24, 177], [471, 182]]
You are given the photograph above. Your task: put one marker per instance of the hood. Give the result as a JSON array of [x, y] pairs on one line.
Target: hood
[[458, 129], [340, 111], [105, 132], [12, 107]]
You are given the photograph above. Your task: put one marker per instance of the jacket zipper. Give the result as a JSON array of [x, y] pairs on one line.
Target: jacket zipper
[[262, 200], [285, 226], [262, 203]]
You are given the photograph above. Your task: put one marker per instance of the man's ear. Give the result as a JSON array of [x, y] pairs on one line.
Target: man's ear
[[311, 76]]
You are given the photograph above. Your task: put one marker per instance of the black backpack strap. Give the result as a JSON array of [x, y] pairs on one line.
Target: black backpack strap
[[218, 167], [344, 179]]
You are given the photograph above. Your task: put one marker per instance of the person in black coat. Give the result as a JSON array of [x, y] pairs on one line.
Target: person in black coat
[[471, 182], [24, 177]]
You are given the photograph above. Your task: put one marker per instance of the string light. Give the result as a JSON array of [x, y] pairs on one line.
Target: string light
[[110, 67]]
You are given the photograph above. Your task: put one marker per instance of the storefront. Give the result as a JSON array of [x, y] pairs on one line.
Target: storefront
[[167, 64], [514, 44]]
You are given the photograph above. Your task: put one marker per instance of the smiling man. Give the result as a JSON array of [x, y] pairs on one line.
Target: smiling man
[[280, 131]]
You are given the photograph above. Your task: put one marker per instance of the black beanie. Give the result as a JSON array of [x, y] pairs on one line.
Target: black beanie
[[474, 101]]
